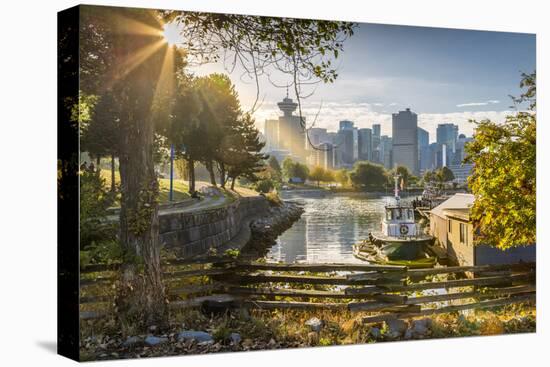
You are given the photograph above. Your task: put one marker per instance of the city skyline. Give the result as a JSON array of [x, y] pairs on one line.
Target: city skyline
[[444, 75]]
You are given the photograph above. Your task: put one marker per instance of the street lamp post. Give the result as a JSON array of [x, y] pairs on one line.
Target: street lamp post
[[171, 196]]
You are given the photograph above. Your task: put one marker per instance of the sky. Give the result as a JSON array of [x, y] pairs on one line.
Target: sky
[[443, 75]]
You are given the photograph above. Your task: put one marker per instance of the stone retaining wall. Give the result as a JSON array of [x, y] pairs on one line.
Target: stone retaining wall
[[194, 233]]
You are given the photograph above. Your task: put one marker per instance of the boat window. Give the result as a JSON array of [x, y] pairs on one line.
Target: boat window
[[389, 214], [411, 214], [397, 213]]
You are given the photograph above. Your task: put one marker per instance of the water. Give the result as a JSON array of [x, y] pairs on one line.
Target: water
[[329, 227]]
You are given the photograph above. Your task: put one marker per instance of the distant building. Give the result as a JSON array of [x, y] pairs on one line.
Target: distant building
[[326, 156], [423, 150], [453, 230], [447, 134], [317, 136], [405, 140], [461, 172], [346, 124], [376, 155], [385, 150], [365, 144], [347, 142], [291, 130], [271, 133], [460, 150]]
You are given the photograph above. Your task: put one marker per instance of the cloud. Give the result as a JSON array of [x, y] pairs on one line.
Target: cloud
[[474, 104], [363, 115]]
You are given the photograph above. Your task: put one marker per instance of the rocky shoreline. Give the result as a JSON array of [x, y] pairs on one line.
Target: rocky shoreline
[[266, 229]]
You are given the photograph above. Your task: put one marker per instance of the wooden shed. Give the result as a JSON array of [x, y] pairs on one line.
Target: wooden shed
[[451, 226]]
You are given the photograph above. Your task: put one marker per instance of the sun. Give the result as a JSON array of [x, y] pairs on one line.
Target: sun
[[171, 33]]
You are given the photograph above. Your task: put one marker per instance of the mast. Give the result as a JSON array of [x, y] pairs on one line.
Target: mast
[[396, 186]]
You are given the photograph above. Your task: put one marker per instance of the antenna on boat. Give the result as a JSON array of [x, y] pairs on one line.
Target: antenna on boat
[[396, 178]]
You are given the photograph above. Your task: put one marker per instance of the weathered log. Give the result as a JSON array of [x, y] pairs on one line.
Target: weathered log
[[473, 269], [271, 305], [93, 268], [310, 279], [198, 301], [196, 273], [375, 306], [318, 267], [496, 280], [195, 289], [447, 309], [98, 280], [96, 299], [474, 294], [310, 293]]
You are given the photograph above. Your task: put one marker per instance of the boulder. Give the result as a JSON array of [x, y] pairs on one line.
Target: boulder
[[132, 341], [154, 340], [375, 332], [420, 328], [198, 336], [314, 324], [395, 327], [235, 338]]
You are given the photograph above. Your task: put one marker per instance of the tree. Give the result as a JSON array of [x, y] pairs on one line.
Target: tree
[[288, 168], [328, 176], [404, 173], [317, 174], [123, 52], [112, 61], [294, 169], [244, 157], [429, 176], [273, 163], [342, 177], [182, 168], [444, 174], [503, 179], [100, 134], [368, 176]]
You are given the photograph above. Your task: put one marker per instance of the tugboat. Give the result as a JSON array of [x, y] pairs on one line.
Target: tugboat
[[401, 240]]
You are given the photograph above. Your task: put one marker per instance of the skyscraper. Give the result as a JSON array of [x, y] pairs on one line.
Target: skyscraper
[[385, 150], [423, 149], [291, 132], [447, 134], [271, 132], [346, 124], [365, 144], [376, 154], [347, 143], [405, 140]]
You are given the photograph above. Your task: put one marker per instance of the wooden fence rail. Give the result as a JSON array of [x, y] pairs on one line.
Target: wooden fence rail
[[382, 291]]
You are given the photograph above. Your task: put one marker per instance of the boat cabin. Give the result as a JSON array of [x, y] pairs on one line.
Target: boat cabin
[[399, 221]]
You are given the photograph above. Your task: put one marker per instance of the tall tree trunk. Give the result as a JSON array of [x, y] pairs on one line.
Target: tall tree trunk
[[210, 169], [222, 174], [233, 183], [113, 186], [141, 300], [98, 162], [191, 168]]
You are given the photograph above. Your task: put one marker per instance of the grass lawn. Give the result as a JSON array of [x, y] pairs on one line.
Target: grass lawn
[[180, 188]]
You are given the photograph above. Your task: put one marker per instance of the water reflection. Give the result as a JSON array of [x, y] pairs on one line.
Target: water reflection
[[328, 228]]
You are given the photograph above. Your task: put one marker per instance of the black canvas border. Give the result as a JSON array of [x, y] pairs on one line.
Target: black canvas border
[[68, 184]]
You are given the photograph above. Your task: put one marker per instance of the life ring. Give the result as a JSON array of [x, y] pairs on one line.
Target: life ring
[[404, 229]]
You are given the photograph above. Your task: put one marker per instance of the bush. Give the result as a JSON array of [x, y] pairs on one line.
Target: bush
[[264, 186], [98, 240]]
